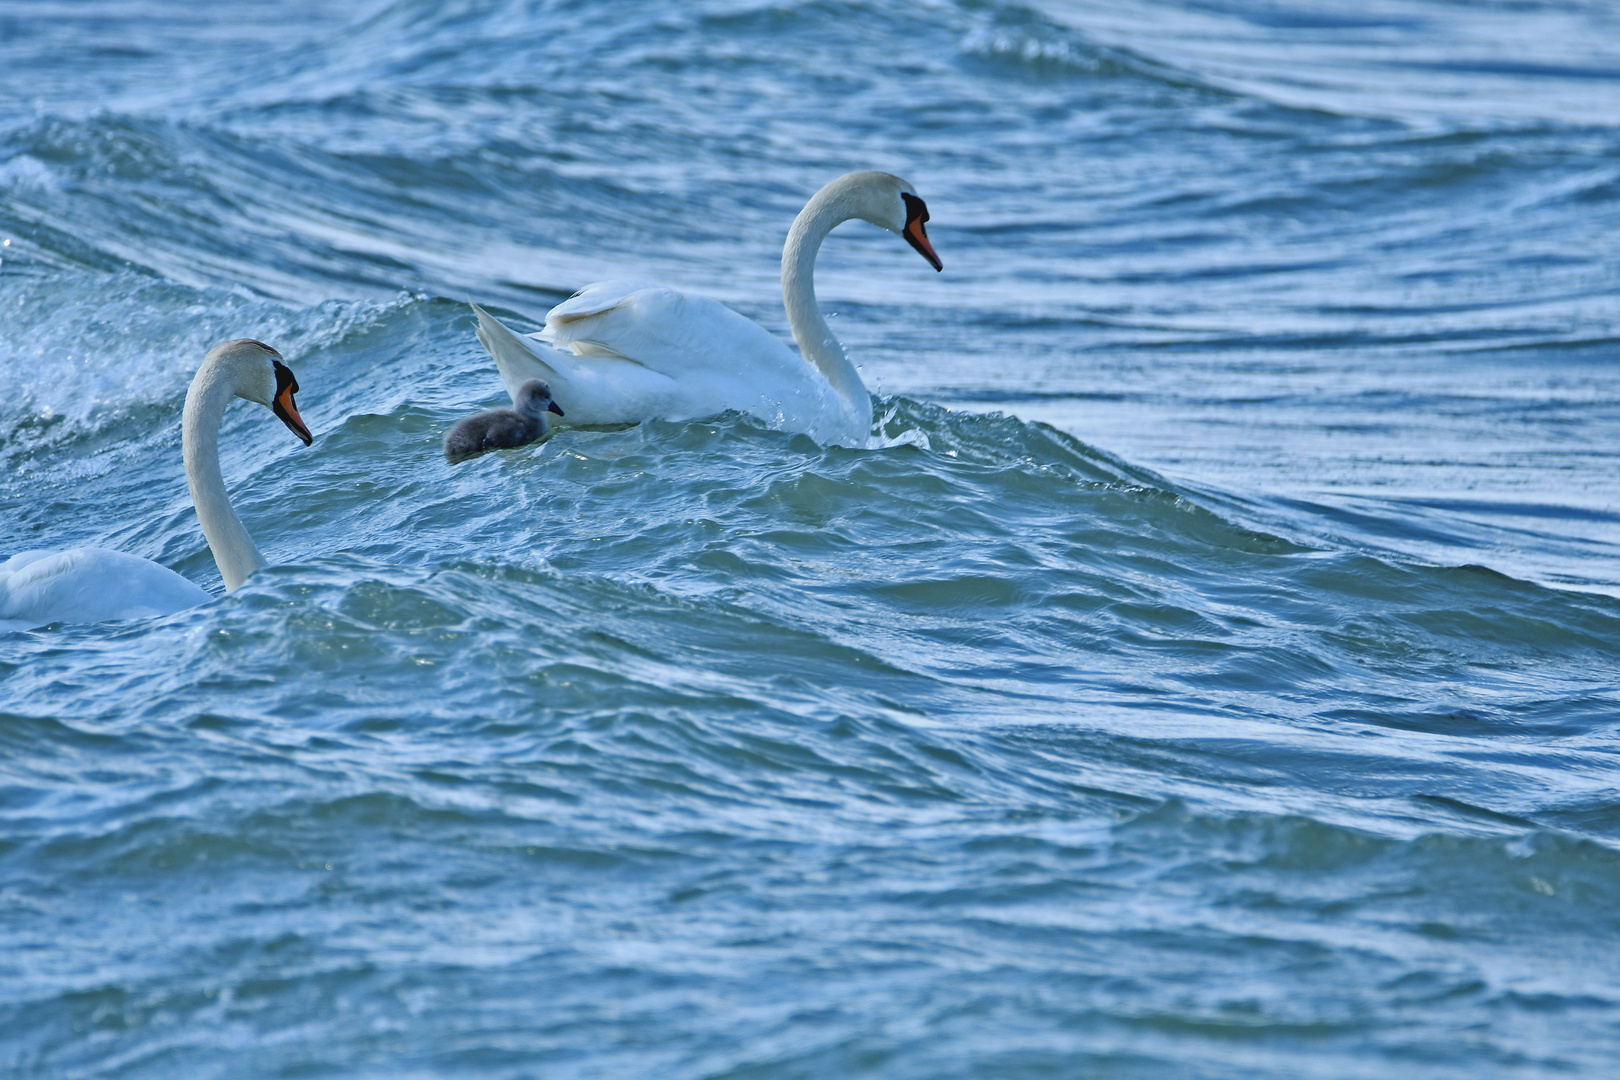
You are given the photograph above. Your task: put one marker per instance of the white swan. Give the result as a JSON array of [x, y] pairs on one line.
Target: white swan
[[625, 351], [91, 584]]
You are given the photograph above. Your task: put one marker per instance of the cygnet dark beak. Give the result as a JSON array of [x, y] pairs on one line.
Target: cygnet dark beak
[[554, 407]]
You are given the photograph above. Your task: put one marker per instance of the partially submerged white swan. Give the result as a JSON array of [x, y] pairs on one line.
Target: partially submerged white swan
[[89, 584], [625, 351]]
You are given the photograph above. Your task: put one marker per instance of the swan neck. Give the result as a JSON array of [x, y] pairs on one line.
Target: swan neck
[[234, 551], [825, 210]]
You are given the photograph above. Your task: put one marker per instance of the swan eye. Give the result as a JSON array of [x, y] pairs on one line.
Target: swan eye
[[916, 209], [286, 382]]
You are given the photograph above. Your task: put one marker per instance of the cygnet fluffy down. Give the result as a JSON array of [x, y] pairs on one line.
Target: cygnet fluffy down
[[502, 429]]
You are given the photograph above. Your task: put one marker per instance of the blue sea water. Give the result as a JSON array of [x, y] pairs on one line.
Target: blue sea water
[[1217, 677]]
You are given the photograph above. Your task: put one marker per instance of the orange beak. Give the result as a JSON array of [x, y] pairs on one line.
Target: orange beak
[[915, 232], [919, 240]]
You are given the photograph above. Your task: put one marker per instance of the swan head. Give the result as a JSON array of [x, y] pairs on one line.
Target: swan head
[[534, 399], [256, 373], [890, 203]]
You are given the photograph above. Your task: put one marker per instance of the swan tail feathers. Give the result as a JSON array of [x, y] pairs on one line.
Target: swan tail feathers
[[517, 361]]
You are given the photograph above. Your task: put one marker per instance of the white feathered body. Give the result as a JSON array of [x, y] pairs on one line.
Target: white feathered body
[[623, 351], [88, 585]]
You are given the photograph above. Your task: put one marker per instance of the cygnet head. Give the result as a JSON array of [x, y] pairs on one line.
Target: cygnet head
[[253, 370], [890, 203], [534, 399]]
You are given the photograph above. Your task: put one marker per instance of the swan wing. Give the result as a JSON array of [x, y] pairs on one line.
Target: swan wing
[[674, 333], [717, 358], [88, 585], [597, 298], [589, 389]]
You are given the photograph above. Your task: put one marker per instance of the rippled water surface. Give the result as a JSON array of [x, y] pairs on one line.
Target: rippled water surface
[[1214, 675]]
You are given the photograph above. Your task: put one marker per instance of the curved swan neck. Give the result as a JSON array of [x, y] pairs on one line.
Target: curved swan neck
[[826, 209], [234, 551]]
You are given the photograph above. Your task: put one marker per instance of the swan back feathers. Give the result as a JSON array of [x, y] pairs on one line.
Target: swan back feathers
[[658, 328], [88, 584]]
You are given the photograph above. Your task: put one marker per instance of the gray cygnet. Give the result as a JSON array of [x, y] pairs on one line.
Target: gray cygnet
[[502, 429]]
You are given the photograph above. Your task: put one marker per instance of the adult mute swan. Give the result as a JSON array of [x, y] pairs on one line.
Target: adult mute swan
[[89, 584], [625, 351]]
